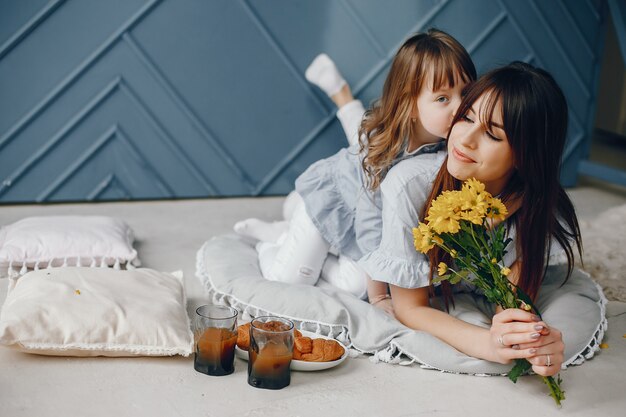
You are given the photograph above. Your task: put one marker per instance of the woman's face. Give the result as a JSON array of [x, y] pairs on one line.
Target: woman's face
[[480, 149]]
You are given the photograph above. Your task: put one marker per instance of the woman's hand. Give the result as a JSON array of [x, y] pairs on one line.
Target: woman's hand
[[549, 353], [516, 334]]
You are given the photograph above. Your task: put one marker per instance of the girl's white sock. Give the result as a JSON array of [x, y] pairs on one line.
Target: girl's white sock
[[260, 230], [324, 73]]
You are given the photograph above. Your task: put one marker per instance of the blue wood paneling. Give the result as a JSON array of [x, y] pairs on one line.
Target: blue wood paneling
[[142, 99]]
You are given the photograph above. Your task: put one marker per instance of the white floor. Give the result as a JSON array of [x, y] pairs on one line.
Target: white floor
[[169, 234]]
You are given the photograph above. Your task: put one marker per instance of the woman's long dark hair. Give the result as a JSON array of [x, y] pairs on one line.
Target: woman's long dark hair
[[534, 115]]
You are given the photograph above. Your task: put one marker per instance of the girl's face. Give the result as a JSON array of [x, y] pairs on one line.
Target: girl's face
[[435, 110], [480, 149]]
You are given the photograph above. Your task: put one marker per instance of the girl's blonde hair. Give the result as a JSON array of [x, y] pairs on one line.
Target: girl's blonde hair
[[387, 124]]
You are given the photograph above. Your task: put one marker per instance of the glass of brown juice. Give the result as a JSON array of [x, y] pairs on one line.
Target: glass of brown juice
[[215, 333], [270, 353]]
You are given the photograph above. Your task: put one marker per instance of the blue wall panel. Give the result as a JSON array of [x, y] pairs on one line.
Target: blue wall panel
[[145, 99]]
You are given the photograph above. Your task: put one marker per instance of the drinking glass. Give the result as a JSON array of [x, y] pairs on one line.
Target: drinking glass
[[215, 334], [270, 353]]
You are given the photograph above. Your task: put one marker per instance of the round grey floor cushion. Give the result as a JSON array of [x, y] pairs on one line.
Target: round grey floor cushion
[[228, 269]]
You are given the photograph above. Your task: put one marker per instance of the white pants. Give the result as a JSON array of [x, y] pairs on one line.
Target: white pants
[[301, 255], [350, 116]]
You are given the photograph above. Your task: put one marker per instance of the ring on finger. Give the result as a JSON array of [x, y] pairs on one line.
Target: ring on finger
[[500, 340], [548, 360]]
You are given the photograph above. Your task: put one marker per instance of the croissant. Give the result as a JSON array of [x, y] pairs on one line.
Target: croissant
[[324, 350], [304, 348], [243, 333], [243, 336], [332, 350], [303, 344]]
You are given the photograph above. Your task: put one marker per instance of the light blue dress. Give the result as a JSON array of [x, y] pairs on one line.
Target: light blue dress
[[345, 212], [403, 193]]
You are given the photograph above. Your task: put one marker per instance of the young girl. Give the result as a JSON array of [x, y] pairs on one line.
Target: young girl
[[509, 133], [419, 98]]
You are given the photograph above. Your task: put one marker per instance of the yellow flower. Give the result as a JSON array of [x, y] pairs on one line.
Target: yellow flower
[[446, 225], [443, 214], [474, 201], [442, 269], [497, 210], [474, 185], [505, 271], [454, 253], [422, 238], [494, 261], [473, 216], [474, 190]]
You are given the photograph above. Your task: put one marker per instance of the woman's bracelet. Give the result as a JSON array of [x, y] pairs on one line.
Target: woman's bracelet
[[379, 298]]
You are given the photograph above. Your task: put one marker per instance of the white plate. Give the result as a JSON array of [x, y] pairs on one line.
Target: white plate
[[304, 365]]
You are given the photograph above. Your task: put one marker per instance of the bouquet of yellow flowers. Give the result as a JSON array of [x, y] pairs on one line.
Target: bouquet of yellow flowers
[[462, 224]]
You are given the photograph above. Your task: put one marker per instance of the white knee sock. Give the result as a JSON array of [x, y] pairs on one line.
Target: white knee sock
[[261, 230], [324, 73]]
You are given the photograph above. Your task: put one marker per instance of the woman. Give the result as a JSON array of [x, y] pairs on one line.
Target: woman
[[509, 133]]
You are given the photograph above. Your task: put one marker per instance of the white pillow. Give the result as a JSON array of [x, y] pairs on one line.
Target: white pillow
[[97, 312], [38, 242]]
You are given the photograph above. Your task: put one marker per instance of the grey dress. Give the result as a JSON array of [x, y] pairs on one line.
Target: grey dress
[[344, 211]]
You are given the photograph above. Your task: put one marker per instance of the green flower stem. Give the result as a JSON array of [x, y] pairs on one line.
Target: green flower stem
[[449, 236], [449, 250], [480, 236], [464, 264], [555, 389]]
